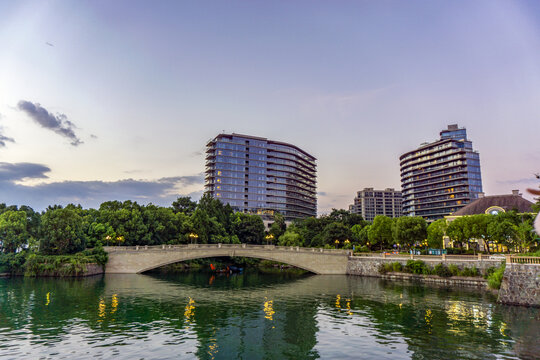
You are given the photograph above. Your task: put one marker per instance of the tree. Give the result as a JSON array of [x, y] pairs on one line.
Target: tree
[[380, 232], [358, 234], [13, 231], [502, 231], [248, 228], [290, 238], [207, 228], [336, 231], [409, 230], [435, 233], [477, 228], [458, 230], [346, 218], [184, 204], [278, 227], [61, 232]]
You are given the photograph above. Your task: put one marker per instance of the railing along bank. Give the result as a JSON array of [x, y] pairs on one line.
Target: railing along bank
[[523, 260]]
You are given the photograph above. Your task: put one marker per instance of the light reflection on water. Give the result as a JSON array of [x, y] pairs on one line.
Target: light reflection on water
[[254, 316]]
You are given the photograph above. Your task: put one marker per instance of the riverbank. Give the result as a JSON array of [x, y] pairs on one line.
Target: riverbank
[[85, 263], [446, 281]]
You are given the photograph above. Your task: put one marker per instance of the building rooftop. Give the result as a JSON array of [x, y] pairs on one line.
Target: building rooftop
[[509, 202]]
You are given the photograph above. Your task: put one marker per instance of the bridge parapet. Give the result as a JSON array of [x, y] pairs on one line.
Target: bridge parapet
[[183, 247]]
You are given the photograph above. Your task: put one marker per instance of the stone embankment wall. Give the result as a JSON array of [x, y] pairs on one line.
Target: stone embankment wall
[[449, 281], [521, 285], [369, 266]]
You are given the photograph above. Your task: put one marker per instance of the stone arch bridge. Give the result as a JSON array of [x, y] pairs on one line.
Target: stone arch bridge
[[137, 259]]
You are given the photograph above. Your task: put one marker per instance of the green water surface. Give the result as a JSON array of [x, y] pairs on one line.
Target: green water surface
[[255, 316]]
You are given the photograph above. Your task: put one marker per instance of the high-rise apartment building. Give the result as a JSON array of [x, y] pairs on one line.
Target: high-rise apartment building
[[441, 177], [260, 176], [370, 203]]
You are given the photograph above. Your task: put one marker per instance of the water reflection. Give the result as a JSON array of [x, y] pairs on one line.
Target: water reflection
[[256, 316]]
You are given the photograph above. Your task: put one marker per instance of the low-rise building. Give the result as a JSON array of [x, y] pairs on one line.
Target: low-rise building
[[370, 203]]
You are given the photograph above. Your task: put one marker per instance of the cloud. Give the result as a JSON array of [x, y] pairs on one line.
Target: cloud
[[87, 193], [4, 139], [58, 123], [525, 181], [20, 171]]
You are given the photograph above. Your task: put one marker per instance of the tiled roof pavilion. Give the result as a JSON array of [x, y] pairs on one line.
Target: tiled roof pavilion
[[513, 201]]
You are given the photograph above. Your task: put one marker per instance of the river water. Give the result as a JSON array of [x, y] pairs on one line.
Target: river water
[[255, 316]]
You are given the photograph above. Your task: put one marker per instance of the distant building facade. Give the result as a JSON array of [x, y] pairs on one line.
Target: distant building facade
[[260, 176], [370, 203], [441, 177]]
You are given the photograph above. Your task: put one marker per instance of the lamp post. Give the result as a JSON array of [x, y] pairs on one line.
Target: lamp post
[[269, 238], [108, 238], [337, 243], [193, 238]]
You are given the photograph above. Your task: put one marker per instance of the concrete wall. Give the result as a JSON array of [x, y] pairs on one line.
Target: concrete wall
[[369, 266], [521, 285]]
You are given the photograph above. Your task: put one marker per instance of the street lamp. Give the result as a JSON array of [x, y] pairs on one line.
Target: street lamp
[[108, 238], [337, 243], [193, 237], [269, 238]]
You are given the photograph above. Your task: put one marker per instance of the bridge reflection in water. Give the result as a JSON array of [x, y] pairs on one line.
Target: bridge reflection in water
[[257, 316]]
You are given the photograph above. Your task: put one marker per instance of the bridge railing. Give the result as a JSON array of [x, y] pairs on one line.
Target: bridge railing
[[524, 260], [478, 257], [225, 246]]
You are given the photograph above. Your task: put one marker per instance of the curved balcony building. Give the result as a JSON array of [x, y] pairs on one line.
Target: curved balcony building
[[440, 178], [260, 176]]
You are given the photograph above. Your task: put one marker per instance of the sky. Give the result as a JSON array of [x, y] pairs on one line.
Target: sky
[[115, 100]]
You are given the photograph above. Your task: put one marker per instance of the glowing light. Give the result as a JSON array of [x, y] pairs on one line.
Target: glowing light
[[101, 309], [114, 303], [48, 297], [269, 309], [189, 313]]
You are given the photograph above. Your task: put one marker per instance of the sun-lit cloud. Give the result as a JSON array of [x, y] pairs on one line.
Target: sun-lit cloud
[[58, 123]]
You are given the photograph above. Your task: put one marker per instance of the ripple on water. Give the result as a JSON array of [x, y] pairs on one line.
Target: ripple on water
[[315, 317]]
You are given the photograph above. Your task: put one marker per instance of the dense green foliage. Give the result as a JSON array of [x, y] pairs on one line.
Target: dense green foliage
[[495, 278], [66, 231], [507, 228], [421, 268]]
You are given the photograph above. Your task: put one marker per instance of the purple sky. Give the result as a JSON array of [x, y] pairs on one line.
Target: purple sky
[[104, 100]]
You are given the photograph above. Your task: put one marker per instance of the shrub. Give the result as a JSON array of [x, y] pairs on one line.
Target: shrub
[[442, 271], [386, 267], [416, 267], [397, 267], [470, 272], [489, 271], [361, 249], [454, 270], [13, 262], [495, 278]]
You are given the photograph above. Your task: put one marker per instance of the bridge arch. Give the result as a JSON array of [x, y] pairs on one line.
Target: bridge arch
[[301, 266], [144, 258]]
